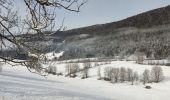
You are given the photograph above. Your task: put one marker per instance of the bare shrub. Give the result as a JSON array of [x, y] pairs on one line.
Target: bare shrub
[[88, 64], [75, 68], [108, 73], [72, 69], [35, 66], [115, 74], [146, 76], [111, 74], [0, 67], [68, 69], [129, 74], [85, 71], [135, 77], [123, 74], [99, 73], [157, 74], [148, 87], [52, 69]]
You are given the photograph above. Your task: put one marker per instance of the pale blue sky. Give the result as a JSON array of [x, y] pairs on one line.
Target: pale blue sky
[[104, 11]]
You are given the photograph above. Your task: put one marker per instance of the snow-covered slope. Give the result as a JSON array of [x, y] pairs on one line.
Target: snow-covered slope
[[52, 55], [17, 83]]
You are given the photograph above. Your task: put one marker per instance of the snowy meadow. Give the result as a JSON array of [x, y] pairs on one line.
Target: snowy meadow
[[17, 83]]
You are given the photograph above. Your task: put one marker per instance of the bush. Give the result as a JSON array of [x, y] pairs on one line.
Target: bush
[[72, 69], [129, 74], [146, 76], [115, 74], [123, 73], [59, 74], [107, 79], [35, 65], [111, 74], [73, 75], [132, 76], [83, 77], [135, 77], [0, 67], [51, 70], [87, 64], [148, 87], [108, 73], [85, 70], [157, 74], [99, 73]]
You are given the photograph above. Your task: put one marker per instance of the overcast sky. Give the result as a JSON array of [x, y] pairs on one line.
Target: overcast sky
[[104, 11]]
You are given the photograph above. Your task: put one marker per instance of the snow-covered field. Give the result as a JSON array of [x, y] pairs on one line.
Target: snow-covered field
[[17, 83]]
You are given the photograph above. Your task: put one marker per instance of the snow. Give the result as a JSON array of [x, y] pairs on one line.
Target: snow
[[17, 83], [52, 55]]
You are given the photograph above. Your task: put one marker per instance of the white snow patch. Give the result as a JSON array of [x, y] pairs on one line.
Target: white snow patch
[[52, 55]]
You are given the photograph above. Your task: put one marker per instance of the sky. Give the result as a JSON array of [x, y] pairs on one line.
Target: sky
[[103, 11]]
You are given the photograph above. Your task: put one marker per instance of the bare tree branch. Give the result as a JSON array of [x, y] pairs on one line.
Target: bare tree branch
[[40, 17]]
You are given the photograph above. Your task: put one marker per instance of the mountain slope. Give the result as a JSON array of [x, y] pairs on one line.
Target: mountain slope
[[160, 16], [147, 33]]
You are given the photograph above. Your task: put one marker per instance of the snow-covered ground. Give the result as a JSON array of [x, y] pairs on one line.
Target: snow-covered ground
[[52, 55], [17, 83]]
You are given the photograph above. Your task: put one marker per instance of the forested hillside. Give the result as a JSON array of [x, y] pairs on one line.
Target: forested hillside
[[146, 33]]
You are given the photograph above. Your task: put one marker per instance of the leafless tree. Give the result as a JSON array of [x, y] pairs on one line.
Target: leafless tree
[[133, 76], [72, 69], [35, 66], [108, 73], [129, 74], [88, 64], [136, 76], [146, 76], [0, 67], [55, 69], [68, 69], [123, 74], [85, 70], [75, 68], [157, 74], [99, 73], [40, 17], [115, 74], [52, 69]]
